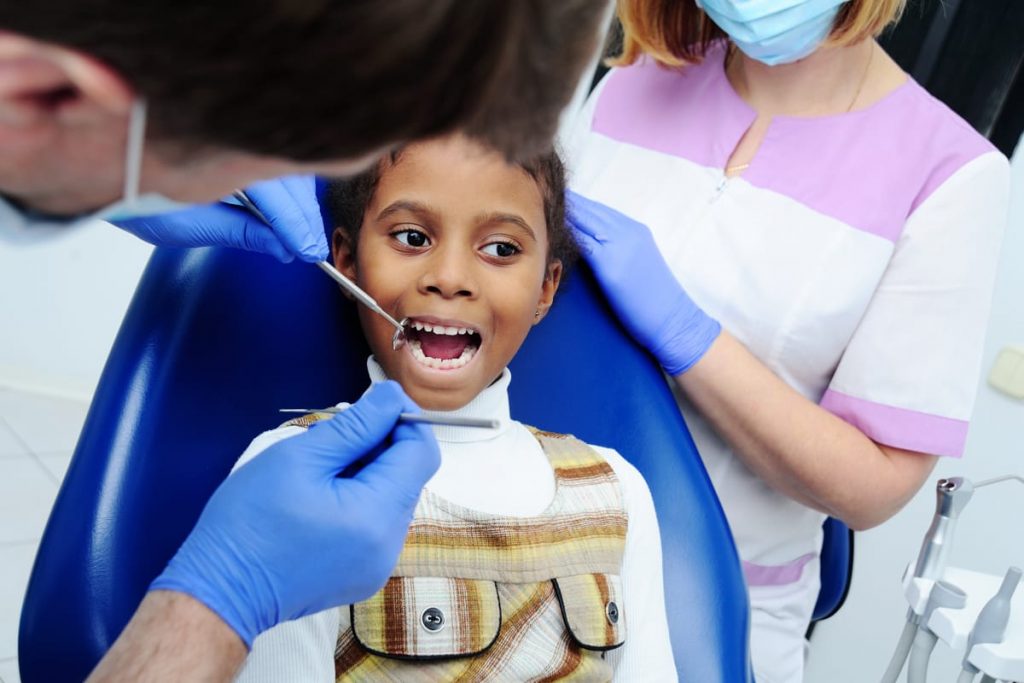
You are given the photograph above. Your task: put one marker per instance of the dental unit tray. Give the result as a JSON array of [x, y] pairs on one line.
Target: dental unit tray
[[998, 657], [1002, 661]]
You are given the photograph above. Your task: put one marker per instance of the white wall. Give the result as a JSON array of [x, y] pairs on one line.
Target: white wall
[[855, 645], [61, 303]]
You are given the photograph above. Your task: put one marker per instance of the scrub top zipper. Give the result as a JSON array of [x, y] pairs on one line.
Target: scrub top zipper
[[720, 189]]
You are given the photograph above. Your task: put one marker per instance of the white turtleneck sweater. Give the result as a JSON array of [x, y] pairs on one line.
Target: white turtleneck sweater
[[499, 471]]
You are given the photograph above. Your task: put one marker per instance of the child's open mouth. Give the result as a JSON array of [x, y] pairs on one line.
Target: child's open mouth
[[442, 347]]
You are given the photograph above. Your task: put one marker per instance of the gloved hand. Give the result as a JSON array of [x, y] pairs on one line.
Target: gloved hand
[[285, 536], [289, 203], [641, 289]]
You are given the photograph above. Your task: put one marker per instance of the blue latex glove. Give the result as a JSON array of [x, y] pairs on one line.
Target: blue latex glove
[[642, 290], [285, 536], [289, 203]]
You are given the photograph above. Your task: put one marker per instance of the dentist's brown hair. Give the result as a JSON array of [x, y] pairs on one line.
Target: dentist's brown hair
[[314, 80]]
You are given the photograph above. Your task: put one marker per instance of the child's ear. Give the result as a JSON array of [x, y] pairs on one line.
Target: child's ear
[[547, 292], [344, 252]]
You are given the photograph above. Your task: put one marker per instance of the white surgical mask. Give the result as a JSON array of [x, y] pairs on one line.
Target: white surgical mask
[[21, 225], [774, 31]]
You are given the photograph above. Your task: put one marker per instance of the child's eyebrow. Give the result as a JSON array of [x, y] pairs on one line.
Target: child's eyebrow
[[492, 218], [406, 205]]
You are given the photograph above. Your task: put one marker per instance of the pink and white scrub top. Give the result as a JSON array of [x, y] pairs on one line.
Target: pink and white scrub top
[[855, 257]]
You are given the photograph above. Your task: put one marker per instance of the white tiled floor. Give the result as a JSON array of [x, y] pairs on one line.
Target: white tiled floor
[[37, 436]]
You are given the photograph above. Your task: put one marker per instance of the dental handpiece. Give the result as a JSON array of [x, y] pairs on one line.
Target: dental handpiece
[[352, 288], [951, 496]]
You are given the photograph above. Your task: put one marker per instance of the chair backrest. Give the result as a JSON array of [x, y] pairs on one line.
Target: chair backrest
[[836, 569], [216, 341]]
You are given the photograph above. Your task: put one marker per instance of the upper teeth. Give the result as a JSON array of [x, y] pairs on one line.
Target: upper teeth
[[440, 329]]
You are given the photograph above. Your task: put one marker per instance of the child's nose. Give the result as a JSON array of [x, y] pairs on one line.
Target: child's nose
[[449, 274]]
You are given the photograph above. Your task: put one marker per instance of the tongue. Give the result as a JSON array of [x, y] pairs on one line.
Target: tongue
[[443, 346]]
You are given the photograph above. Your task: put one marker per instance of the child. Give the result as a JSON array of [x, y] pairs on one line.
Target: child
[[531, 555]]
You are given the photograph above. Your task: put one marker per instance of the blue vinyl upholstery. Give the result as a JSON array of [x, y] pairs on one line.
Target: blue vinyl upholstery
[[836, 569], [215, 341]]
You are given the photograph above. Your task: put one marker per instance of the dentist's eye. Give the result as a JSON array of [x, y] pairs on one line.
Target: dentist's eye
[[411, 238], [501, 249]]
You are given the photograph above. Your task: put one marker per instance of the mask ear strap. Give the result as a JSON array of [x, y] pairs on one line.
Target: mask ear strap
[[133, 150]]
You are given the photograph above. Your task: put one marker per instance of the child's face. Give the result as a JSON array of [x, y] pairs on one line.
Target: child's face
[[455, 239]]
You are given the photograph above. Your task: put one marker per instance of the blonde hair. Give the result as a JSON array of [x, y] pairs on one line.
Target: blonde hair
[[677, 32]]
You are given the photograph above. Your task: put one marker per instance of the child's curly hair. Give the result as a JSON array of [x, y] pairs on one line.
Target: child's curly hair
[[348, 198]]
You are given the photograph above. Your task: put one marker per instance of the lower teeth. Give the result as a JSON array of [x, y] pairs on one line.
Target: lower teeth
[[444, 364]]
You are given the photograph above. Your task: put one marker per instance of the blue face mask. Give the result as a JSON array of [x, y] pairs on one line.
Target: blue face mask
[[774, 31], [25, 226]]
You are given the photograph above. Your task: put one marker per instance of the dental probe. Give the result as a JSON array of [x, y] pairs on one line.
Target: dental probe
[[366, 300], [352, 288], [420, 418]]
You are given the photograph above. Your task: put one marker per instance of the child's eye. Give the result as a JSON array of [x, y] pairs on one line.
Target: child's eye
[[501, 249], [411, 238]]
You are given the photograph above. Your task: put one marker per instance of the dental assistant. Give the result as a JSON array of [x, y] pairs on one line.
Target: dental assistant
[[110, 110], [807, 242]]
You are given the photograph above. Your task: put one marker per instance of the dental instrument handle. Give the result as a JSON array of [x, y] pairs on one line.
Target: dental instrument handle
[[419, 418], [357, 292], [952, 495], [451, 421]]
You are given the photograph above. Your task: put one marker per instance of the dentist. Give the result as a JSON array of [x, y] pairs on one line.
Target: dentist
[[124, 110], [807, 241]]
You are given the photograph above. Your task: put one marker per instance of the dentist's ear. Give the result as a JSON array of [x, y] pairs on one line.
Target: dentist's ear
[[44, 87]]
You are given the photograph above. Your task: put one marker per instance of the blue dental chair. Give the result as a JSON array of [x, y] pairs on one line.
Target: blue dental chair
[[215, 341]]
